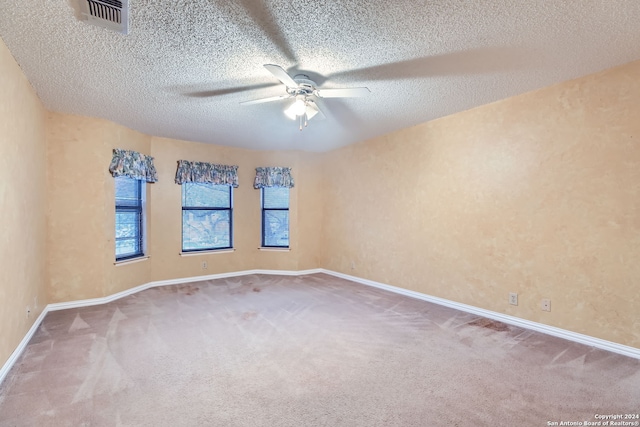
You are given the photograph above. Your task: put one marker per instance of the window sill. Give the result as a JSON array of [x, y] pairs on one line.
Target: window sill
[[218, 251], [273, 249], [131, 261]]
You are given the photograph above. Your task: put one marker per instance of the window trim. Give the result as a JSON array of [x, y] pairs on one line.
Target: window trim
[[184, 251], [263, 212], [206, 252], [274, 249], [131, 261], [141, 209]]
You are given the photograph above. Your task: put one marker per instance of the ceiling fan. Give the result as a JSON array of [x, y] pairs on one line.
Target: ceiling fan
[[304, 90]]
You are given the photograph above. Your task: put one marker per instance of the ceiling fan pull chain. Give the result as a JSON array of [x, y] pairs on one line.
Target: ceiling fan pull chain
[[301, 123]]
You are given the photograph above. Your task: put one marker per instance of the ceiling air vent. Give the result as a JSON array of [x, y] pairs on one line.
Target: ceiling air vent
[[110, 14]]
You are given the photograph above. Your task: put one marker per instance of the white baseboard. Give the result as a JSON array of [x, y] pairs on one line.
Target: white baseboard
[[23, 344], [505, 318], [516, 321], [127, 292]]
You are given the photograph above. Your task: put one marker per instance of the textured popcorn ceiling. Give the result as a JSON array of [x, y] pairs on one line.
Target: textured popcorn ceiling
[[185, 66]]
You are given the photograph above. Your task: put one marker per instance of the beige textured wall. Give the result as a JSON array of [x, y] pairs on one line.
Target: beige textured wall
[[311, 200], [537, 194], [82, 208], [23, 251], [166, 215]]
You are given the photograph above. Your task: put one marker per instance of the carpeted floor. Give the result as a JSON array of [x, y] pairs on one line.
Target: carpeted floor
[[303, 351]]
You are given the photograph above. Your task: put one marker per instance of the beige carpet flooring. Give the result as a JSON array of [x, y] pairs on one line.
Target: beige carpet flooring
[[303, 351]]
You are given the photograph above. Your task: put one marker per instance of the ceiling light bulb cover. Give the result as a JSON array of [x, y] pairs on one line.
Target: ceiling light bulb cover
[[296, 109], [311, 112], [299, 107], [290, 113]]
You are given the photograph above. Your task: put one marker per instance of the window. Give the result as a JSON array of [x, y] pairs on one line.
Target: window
[[129, 218], [206, 217], [275, 217]]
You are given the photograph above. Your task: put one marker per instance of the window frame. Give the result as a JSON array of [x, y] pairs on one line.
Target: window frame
[[140, 208], [206, 208], [264, 213]]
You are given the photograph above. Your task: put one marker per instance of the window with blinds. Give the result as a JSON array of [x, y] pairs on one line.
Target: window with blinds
[[207, 217], [129, 218], [275, 217]]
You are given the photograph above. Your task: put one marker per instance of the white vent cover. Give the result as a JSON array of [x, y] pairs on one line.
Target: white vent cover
[[110, 14]]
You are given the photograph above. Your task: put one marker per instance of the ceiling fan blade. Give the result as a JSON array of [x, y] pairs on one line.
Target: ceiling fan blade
[[264, 18], [260, 101], [219, 92], [353, 92], [281, 75], [460, 63]]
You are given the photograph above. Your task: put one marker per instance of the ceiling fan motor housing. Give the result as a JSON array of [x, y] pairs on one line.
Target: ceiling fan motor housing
[[306, 87]]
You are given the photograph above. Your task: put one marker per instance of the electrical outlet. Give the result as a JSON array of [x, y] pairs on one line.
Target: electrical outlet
[[204, 265], [546, 305], [353, 265], [513, 298]]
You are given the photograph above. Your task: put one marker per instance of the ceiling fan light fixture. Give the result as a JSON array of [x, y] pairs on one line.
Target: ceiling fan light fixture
[[290, 113], [305, 91], [298, 108], [310, 112]]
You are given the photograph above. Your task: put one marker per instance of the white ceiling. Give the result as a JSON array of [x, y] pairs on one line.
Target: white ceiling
[[185, 65]]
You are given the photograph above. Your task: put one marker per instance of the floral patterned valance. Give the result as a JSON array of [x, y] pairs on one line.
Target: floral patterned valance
[[273, 177], [206, 172], [133, 164]]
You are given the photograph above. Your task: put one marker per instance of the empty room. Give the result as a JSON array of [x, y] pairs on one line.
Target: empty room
[[309, 213]]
